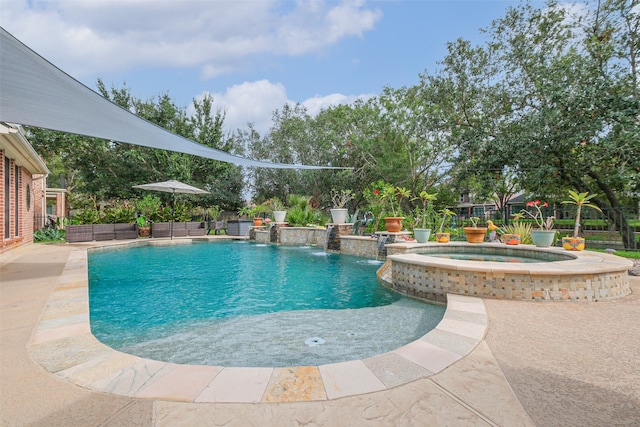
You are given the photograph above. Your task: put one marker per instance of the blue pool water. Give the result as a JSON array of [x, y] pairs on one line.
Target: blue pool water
[[243, 304]]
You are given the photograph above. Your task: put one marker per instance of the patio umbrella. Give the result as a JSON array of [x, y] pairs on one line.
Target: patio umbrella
[[172, 187]]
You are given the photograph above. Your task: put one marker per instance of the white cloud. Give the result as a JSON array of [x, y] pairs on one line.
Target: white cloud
[[317, 103], [249, 102], [255, 102], [99, 36]]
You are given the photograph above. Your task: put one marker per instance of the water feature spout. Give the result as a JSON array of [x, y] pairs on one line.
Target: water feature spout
[[331, 233], [382, 251]]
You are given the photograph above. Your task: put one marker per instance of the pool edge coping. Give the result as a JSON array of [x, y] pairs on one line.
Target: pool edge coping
[[63, 345]]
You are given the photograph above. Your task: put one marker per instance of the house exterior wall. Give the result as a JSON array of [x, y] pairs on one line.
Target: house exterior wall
[[16, 216]]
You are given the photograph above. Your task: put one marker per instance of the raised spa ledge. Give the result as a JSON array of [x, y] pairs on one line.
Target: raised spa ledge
[[559, 275]]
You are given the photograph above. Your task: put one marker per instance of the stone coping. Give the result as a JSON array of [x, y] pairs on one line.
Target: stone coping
[[583, 262], [63, 345]]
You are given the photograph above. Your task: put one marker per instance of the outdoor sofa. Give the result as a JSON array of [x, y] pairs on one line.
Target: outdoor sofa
[[98, 232], [180, 229]]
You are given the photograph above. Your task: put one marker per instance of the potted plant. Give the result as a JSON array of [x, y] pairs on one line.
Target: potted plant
[[474, 233], [424, 215], [391, 195], [340, 200], [517, 232], [544, 236], [144, 226], [245, 212], [275, 208], [256, 213], [252, 213], [441, 235], [575, 242]]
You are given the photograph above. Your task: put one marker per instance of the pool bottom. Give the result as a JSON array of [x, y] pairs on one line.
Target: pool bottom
[[281, 339]]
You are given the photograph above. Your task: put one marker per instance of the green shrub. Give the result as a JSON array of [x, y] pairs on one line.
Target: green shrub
[[48, 235], [301, 216], [149, 206], [119, 215], [87, 216]]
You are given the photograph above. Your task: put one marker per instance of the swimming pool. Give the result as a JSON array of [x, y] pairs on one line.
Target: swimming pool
[[243, 304]]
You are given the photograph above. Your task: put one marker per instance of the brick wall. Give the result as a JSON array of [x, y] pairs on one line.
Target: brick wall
[[25, 216]]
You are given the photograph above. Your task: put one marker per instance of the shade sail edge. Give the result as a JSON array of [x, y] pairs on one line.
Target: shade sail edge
[[34, 92]]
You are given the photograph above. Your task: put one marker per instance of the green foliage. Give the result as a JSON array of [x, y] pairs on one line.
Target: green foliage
[[340, 198], [48, 235], [119, 214], [213, 213], [299, 216], [624, 254], [522, 228], [245, 211], [424, 214], [87, 216], [143, 222], [181, 213], [271, 205], [549, 102], [299, 200], [149, 206], [580, 200], [445, 215]]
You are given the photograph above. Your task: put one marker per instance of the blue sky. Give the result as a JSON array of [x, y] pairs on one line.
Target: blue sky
[[253, 56]]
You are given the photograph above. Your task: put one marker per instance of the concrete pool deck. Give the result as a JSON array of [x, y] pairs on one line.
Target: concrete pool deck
[[538, 364]]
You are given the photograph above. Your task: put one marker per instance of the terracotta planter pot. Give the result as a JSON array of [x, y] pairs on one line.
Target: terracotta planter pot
[[442, 237], [475, 234], [393, 224], [257, 222], [144, 231], [511, 239], [573, 243]]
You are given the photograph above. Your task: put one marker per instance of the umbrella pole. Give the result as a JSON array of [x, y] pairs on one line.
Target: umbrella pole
[[173, 212]]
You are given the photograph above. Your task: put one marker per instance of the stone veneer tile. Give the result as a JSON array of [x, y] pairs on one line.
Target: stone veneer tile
[[349, 378], [246, 385], [179, 382], [294, 384], [466, 329], [428, 355], [394, 370]]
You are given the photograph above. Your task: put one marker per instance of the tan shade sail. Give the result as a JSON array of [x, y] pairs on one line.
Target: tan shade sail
[[34, 92]]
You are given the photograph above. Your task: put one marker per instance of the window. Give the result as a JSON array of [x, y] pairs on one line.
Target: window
[[16, 182], [7, 197]]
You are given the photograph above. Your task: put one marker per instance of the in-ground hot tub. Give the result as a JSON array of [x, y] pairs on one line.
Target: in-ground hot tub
[[554, 275]]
